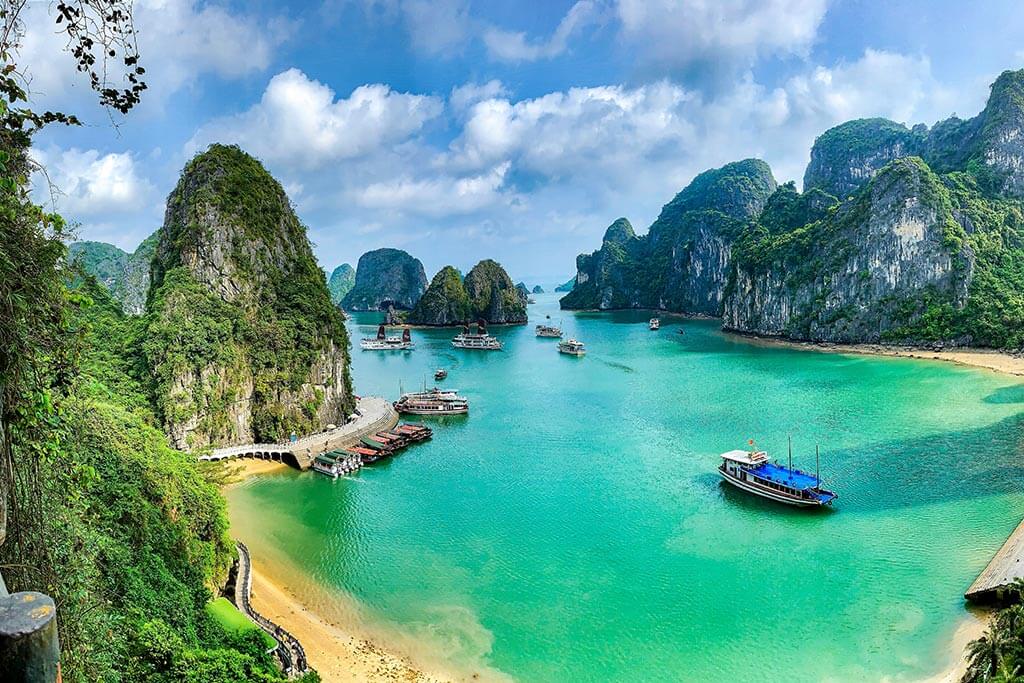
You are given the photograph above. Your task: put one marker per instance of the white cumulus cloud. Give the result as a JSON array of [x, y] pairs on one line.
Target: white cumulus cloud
[[299, 123], [682, 32], [86, 183], [179, 40], [514, 46]]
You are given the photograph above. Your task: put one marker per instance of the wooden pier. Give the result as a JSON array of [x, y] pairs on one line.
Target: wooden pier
[[994, 582]]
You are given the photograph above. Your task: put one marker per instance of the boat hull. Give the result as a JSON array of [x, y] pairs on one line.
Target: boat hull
[[411, 410], [770, 494]]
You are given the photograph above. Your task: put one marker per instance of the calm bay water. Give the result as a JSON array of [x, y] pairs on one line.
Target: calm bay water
[[572, 526]]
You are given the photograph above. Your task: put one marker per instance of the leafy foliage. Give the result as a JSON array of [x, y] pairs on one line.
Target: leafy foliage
[[445, 302], [998, 655]]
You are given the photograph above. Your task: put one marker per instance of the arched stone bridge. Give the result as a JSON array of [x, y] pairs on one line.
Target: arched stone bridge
[[373, 415]]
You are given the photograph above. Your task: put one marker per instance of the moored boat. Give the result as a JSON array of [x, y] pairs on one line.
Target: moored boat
[[480, 341], [383, 342], [337, 463], [572, 347], [753, 472], [549, 331], [654, 324], [433, 402], [440, 374]]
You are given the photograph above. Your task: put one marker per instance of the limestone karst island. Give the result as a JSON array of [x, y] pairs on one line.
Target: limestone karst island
[[551, 342]]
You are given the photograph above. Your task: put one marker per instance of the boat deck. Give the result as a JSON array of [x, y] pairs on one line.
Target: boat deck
[[781, 475]]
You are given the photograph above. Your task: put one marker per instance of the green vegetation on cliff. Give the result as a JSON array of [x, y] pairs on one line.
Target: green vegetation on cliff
[[445, 302], [386, 277], [341, 282], [242, 338], [486, 293], [492, 296], [680, 264], [125, 275], [127, 535]]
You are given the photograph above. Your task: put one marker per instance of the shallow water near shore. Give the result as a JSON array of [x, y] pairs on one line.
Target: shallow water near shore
[[572, 526]]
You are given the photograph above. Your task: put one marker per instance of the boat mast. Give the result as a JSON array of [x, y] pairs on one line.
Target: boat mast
[[817, 465], [791, 452]]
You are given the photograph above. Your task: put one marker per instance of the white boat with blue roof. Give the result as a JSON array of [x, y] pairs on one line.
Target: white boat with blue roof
[[753, 472]]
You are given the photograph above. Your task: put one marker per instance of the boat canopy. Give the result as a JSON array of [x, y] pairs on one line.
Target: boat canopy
[[746, 457]]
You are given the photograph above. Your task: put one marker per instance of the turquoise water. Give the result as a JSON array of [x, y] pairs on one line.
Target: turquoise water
[[572, 526]]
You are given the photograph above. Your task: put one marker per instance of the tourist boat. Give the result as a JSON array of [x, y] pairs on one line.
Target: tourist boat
[[385, 343], [549, 331], [572, 348], [753, 472], [440, 374], [337, 463], [655, 324], [479, 341], [433, 402]]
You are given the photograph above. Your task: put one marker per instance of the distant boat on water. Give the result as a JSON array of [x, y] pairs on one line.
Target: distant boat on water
[[753, 472], [383, 342], [572, 347], [549, 331], [432, 402], [440, 374], [480, 341], [654, 324]]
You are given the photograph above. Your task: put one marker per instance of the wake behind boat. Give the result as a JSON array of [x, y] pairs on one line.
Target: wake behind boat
[[383, 342], [753, 472]]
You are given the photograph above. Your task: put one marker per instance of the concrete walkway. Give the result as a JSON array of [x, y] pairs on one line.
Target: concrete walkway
[[289, 651], [374, 414]]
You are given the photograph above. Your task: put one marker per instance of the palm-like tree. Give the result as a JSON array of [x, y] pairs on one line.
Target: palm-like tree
[[985, 655], [1007, 673]]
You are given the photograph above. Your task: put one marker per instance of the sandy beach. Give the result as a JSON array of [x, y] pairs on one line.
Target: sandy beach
[[988, 359], [240, 469], [336, 654], [971, 629]]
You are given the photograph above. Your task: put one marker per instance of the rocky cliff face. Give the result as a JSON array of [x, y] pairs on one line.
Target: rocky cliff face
[[921, 251], [492, 296], [682, 262], [847, 156], [242, 338], [861, 272], [386, 277], [125, 275], [341, 282], [567, 285], [910, 235], [991, 145]]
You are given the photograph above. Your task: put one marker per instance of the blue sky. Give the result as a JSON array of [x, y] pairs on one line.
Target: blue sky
[[463, 130]]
